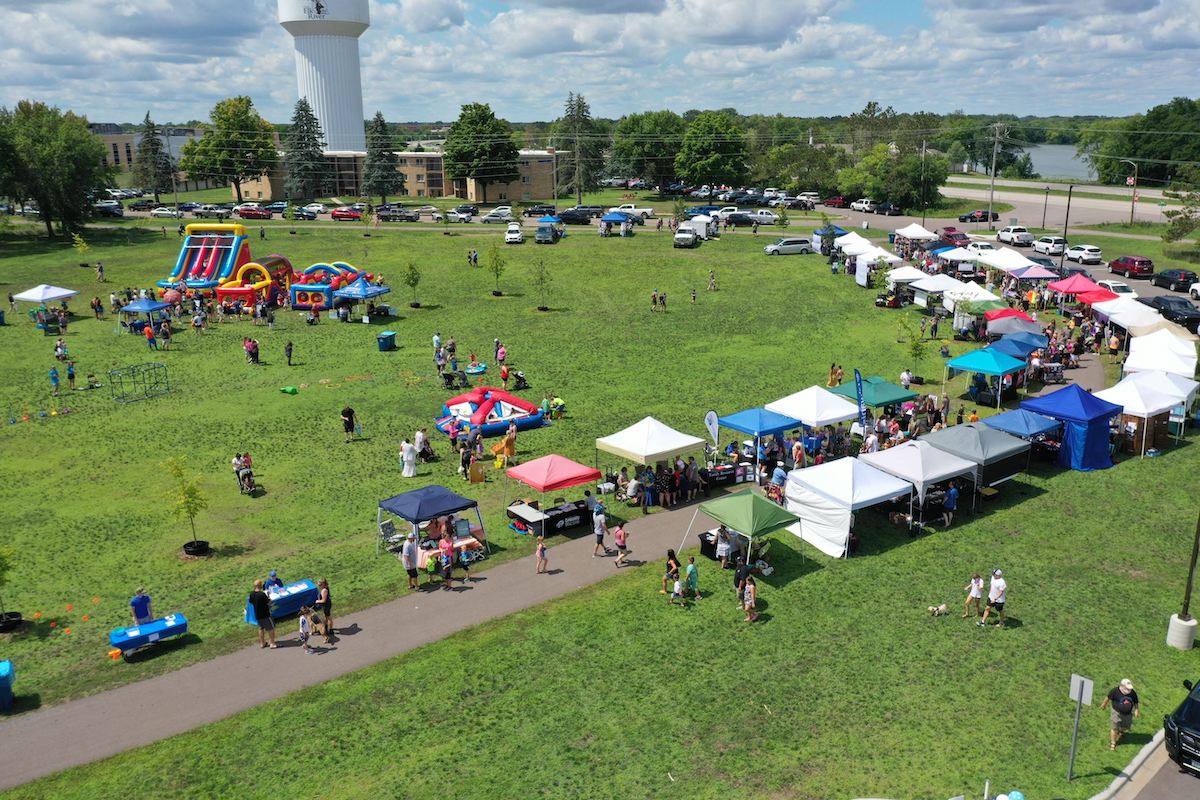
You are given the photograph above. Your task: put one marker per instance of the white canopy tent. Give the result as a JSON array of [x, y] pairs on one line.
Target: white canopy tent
[[873, 256], [971, 292], [648, 442], [1126, 312], [849, 238], [1163, 340], [1147, 360], [916, 233], [815, 407], [934, 284], [1139, 400], [857, 248], [920, 464], [905, 274], [1173, 328], [956, 255], [45, 293], [825, 498], [1167, 383], [1004, 259]]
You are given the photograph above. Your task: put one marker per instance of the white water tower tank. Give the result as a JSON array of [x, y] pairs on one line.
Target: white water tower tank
[[327, 70]]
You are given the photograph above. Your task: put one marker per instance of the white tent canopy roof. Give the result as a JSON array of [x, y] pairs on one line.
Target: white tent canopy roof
[[1138, 399], [848, 482], [1166, 383], [905, 274], [701, 218], [972, 291], [815, 407], [1146, 360], [649, 441], [958, 254], [938, 283], [919, 463], [1126, 312], [876, 253], [849, 238], [1162, 340], [1005, 259], [45, 293], [857, 248], [916, 233]]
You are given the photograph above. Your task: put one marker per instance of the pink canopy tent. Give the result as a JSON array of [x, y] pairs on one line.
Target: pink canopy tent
[[1096, 296], [1076, 284], [1001, 313], [553, 472]]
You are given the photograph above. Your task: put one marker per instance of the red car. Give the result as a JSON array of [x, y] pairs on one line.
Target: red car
[[955, 236], [837, 201], [345, 212], [254, 213], [1132, 266]]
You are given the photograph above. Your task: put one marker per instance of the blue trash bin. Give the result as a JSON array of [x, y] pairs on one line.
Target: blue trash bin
[[6, 682], [2, 322], [891, 238], [386, 341]]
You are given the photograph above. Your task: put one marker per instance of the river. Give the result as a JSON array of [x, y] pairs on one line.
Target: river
[[1058, 161]]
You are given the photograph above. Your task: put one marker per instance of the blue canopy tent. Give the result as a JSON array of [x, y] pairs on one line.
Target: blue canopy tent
[[759, 422], [420, 505], [1012, 348], [551, 218], [360, 290], [987, 361], [1020, 422], [1085, 420], [142, 306], [1034, 340], [830, 230]]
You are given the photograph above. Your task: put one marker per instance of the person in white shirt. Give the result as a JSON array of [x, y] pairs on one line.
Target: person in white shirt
[[906, 378], [997, 596], [974, 591], [871, 443], [408, 557]]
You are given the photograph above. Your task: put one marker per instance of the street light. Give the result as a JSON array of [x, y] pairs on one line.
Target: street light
[[1133, 187], [1045, 205], [1066, 218]]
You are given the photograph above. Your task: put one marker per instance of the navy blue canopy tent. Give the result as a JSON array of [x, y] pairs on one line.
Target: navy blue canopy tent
[[615, 216], [1085, 420], [1010, 347], [1020, 422], [142, 306], [420, 505], [830, 230], [360, 290]]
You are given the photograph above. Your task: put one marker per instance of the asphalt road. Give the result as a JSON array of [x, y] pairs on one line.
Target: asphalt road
[[1118, 191]]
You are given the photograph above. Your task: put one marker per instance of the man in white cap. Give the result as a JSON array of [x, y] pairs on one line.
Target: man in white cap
[[408, 557], [1125, 707], [997, 595]]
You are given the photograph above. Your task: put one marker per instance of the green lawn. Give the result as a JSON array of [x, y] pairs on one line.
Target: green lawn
[[605, 692]]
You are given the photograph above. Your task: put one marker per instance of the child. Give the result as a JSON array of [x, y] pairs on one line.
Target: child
[[693, 578], [749, 599], [622, 546], [540, 554], [306, 627], [974, 591], [465, 562], [677, 593], [693, 296], [54, 381]]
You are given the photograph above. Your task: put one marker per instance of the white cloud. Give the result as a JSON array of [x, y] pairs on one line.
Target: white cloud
[[427, 16]]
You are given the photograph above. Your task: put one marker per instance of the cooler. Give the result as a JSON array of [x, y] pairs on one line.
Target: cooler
[[386, 341]]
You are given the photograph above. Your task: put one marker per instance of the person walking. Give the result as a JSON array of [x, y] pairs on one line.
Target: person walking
[[949, 503], [54, 381], [349, 423], [600, 528], [1125, 707], [974, 591], [671, 573], [539, 553], [408, 458], [750, 599], [997, 597], [306, 625], [712, 281], [71, 375], [325, 605], [621, 538], [148, 332], [408, 557], [262, 614], [287, 351], [692, 581]]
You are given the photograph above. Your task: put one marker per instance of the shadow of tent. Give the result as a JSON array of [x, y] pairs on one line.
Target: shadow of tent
[[159, 649]]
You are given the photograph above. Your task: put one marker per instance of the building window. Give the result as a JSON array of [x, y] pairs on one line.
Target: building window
[[420, 177], [504, 195], [526, 196], [524, 163], [420, 192], [403, 162], [420, 162], [524, 179], [128, 154], [116, 154]]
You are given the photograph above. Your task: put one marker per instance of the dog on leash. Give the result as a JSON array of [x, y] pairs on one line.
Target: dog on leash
[[937, 611]]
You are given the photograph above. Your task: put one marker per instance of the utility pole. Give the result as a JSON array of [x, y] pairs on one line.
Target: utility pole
[[174, 187], [992, 189], [1066, 219], [1132, 187], [578, 157], [924, 200]]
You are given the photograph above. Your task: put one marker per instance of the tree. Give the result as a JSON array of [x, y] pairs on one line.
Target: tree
[[1021, 168], [184, 499], [380, 175], [900, 178], [238, 146], [1186, 219], [412, 278], [53, 159], [81, 246], [957, 156], [1158, 141], [540, 274], [308, 172], [713, 151], [577, 133], [496, 265], [646, 144], [480, 146], [872, 125], [153, 169]]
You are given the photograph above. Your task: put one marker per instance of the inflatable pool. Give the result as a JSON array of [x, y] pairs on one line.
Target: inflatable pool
[[490, 410], [477, 369]]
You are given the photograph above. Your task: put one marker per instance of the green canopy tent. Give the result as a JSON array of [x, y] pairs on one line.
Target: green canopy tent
[[747, 513], [876, 392]]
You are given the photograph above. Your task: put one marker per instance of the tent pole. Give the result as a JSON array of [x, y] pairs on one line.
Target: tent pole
[[486, 546], [688, 532], [378, 532]]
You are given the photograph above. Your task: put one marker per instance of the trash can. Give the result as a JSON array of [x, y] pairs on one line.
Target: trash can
[[891, 238], [2, 322], [386, 340], [6, 682]]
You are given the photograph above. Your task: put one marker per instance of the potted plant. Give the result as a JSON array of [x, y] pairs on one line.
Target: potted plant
[[541, 281], [411, 279], [185, 499], [9, 620], [496, 265]]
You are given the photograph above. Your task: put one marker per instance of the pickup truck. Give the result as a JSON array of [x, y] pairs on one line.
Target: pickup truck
[[209, 210], [595, 212], [1015, 235], [631, 208]]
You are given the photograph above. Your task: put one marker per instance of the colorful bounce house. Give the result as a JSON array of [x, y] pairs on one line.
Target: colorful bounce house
[[490, 410], [210, 255], [266, 281], [314, 287]]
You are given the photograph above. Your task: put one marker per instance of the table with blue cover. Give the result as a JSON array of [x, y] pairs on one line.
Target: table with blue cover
[[287, 600], [129, 639]]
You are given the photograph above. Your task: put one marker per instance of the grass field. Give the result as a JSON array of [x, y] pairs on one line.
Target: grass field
[[849, 688]]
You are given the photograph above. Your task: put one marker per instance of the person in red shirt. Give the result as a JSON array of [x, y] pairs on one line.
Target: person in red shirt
[[148, 331]]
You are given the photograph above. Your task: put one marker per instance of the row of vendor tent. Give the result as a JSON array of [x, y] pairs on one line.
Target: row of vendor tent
[[1162, 351]]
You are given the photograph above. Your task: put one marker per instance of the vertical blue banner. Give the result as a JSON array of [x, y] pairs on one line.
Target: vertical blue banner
[[862, 408]]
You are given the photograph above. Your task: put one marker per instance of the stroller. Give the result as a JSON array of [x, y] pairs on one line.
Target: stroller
[[521, 383], [455, 380], [246, 483], [1053, 373]]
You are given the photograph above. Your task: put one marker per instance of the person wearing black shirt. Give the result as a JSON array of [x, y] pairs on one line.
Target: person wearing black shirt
[[348, 422], [1125, 707], [740, 572], [262, 613]]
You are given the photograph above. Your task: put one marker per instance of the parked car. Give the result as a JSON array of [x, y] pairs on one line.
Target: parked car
[[141, 205], [1084, 254], [888, 210], [303, 213], [1195, 291], [278, 207], [634, 218], [978, 215], [1050, 263], [254, 212], [318, 208], [546, 234], [634, 209], [165, 211], [594, 211], [108, 208], [955, 237], [740, 219], [1132, 266], [513, 234], [685, 237], [188, 206], [1066, 270], [1175, 309], [398, 214], [979, 248], [864, 204], [454, 215], [209, 210], [792, 245], [1119, 288], [1181, 729], [539, 210], [836, 201], [503, 214], [574, 217], [1050, 245], [1015, 235], [345, 213], [1177, 280], [467, 208]]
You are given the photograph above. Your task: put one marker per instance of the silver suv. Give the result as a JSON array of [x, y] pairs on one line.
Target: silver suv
[[794, 245]]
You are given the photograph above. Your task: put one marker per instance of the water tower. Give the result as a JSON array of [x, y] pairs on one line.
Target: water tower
[[327, 72]]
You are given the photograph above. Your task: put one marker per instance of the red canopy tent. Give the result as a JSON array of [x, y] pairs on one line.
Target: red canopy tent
[[1001, 313], [553, 472], [1076, 284], [1096, 296]]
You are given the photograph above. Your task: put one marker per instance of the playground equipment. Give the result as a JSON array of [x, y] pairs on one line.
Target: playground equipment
[[266, 281], [138, 382], [490, 410], [210, 255], [314, 287]]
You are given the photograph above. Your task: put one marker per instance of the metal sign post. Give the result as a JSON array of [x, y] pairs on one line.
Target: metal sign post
[[1081, 693]]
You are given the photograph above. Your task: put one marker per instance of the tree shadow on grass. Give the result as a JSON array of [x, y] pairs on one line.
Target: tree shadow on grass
[[231, 550]]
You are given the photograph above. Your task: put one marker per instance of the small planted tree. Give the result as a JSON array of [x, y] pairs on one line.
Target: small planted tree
[[290, 215], [496, 265], [412, 278], [81, 247], [679, 211], [367, 217], [540, 274], [8, 619], [782, 219], [185, 501]]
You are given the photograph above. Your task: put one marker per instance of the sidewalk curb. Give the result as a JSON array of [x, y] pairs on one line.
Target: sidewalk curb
[[1131, 769]]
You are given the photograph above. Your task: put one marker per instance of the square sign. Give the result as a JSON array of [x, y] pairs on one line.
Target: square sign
[[1081, 689]]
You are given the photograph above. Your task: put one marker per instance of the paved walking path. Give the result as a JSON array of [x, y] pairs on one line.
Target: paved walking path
[[55, 738]]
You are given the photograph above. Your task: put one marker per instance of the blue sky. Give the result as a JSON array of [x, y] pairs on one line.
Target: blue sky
[[422, 59]]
